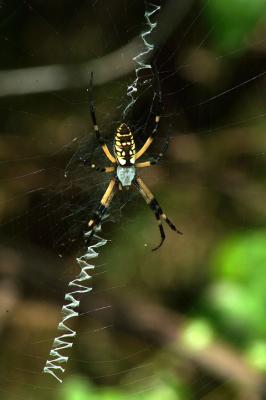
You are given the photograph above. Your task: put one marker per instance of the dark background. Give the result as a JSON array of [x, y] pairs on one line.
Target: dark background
[[187, 321]]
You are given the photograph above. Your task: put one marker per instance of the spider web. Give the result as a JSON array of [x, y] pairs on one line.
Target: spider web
[[46, 129]]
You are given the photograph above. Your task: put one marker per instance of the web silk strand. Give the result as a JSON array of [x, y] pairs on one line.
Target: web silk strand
[[53, 366], [141, 59]]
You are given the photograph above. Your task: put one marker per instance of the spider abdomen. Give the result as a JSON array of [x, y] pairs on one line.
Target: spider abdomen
[[124, 146]]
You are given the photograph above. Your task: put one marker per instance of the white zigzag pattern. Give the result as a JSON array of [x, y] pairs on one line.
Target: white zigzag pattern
[[140, 58], [65, 341]]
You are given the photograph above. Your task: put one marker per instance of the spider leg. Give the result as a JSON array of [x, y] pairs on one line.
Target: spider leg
[[87, 163], [157, 210], [150, 139], [104, 204], [157, 159], [98, 135]]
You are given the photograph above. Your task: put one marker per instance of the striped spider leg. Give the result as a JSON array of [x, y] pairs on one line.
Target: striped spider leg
[[157, 159], [150, 139], [98, 135], [104, 204], [157, 210]]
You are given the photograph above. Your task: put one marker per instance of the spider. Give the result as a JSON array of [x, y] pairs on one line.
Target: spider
[[125, 170]]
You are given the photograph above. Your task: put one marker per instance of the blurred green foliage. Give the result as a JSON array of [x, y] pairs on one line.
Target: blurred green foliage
[[237, 297], [198, 334], [255, 354], [77, 389], [239, 293], [232, 21]]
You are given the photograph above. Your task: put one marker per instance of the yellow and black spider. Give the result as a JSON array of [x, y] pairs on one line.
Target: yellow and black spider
[[124, 170]]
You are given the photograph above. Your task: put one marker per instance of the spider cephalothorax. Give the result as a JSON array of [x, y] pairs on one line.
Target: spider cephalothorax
[[124, 171]]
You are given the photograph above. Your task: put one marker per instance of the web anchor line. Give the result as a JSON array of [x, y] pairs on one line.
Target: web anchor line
[[141, 59], [53, 365]]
